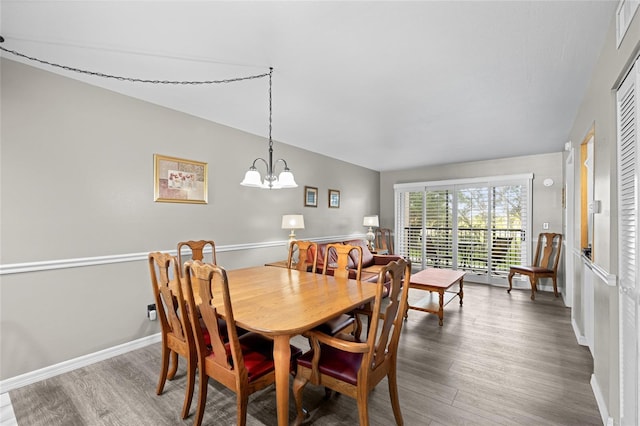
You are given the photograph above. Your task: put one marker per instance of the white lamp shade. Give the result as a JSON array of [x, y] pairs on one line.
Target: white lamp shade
[[252, 178], [286, 180], [292, 221], [370, 221]]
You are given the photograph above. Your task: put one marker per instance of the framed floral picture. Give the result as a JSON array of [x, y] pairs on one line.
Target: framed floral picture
[[176, 180], [334, 198], [310, 196]]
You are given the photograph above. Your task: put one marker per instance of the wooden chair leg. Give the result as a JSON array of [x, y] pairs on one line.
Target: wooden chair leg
[[164, 367], [298, 388], [511, 274], [191, 380], [242, 403], [174, 365], [363, 406], [393, 393], [203, 381], [357, 332], [534, 285], [555, 286]]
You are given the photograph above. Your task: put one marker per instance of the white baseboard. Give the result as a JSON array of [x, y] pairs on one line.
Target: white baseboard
[[602, 405], [72, 364], [582, 340]]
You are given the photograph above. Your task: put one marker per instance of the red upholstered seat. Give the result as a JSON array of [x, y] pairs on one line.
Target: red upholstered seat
[[257, 352], [336, 363], [531, 269]]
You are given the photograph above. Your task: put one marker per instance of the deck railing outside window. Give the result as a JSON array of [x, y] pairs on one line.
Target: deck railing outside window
[[473, 250]]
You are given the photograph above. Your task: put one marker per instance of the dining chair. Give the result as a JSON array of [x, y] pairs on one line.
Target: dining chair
[[384, 241], [245, 363], [306, 250], [339, 263], [197, 250], [352, 367], [197, 253], [545, 264], [177, 337]]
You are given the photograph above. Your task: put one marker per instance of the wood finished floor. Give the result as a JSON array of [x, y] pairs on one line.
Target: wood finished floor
[[499, 360]]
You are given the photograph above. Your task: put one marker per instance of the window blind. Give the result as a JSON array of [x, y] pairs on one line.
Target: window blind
[[477, 225]]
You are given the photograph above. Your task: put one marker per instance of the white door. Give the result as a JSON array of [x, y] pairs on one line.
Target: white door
[[628, 205]]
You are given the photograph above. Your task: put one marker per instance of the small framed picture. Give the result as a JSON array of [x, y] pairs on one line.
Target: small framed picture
[[334, 198], [310, 196]]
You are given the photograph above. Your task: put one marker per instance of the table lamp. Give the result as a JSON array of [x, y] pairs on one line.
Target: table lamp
[[371, 221], [293, 222]]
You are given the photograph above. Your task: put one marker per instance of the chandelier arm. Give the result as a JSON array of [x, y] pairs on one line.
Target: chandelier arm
[[286, 167], [263, 160]]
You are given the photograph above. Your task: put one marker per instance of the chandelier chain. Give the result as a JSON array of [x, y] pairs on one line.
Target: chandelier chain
[[132, 79]]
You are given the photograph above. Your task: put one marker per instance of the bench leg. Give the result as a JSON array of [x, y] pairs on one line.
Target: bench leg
[[511, 274]]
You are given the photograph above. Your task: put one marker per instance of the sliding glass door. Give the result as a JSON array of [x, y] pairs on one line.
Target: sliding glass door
[[476, 226]]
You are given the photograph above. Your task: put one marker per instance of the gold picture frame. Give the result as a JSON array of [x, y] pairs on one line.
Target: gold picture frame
[[334, 199], [176, 180], [310, 196]]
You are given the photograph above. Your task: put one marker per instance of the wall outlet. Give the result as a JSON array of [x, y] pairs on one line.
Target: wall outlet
[[152, 314], [545, 225]]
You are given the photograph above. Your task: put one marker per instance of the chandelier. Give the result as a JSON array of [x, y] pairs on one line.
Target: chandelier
[[271, 181]]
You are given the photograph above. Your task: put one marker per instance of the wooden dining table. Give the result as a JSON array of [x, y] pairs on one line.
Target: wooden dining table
[[282, 303]]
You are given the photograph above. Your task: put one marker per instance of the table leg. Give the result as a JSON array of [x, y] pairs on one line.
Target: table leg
[[441, 309], [461, 292], [282, 360]]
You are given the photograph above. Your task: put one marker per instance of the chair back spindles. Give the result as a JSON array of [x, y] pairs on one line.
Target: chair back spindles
[[546, 251], [384, 241], [306, 250], [385, 341], [201, 279], [198, 249], [341, 266]]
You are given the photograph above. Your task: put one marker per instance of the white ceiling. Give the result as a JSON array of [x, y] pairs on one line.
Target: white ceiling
[[385, 85]]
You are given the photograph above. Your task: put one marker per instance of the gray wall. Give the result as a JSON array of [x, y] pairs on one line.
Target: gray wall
[[77, 183], [599, 109]]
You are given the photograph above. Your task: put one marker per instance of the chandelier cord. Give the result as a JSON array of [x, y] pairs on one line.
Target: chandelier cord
[[270, 108], [132, 79]]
